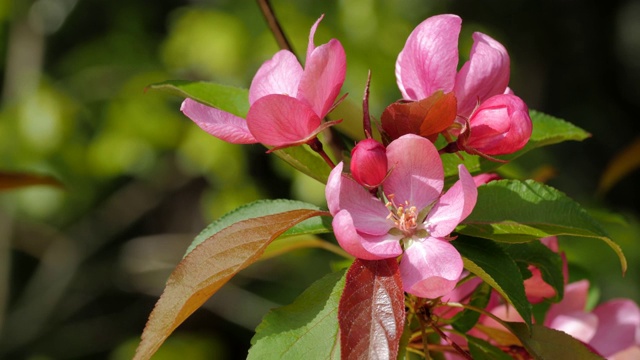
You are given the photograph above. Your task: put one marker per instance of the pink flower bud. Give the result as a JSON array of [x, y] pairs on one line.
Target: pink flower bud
[[501, 125], [369, 163]]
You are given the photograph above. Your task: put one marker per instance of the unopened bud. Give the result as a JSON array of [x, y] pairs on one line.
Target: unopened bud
[[369, 163], [501, 125]]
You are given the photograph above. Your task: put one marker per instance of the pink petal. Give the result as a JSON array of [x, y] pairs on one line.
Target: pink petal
[[218, 123], [430, 268], [368, 212], [580, 325], [416, 171], [429, 59], [618, 327], [484, 75], [280, 120], [535, 287], [280, 75], [311, 46], [574, 300], [360, 245], [323, 76], [504, 312], [482, 179], [501, 125], [454, 206]]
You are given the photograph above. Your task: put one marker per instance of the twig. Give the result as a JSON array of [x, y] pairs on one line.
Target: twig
[[274, 25]]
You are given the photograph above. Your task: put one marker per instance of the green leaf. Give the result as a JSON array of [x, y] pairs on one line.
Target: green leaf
[[493, 265], [516, 211], [305, 329], [227, 98], [547, 130], [209, 266], [467, 319], [483, 350], [545, 343], [285, 244], [316, 225], [547, 261], [306, 161]]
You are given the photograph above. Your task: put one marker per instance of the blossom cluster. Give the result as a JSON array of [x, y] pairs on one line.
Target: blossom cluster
[[389, 200]]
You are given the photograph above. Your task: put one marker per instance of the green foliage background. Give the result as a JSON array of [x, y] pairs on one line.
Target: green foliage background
[[80, 268]]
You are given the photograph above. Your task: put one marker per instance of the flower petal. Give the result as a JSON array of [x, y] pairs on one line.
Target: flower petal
[[311, 46], [574, 300], [453, 206], [578, 324], [430, 268], [360, 245], [501, 125], [280, 120], [618, 326], [484, 75], [368, 212], [323, 76], [218, 123], [279, 75], [429, 59], [416, 171]]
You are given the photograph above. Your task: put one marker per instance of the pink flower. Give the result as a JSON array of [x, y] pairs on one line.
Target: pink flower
[[428, 63], [414, 215], [369, 163], [287, 102], [612, 327]]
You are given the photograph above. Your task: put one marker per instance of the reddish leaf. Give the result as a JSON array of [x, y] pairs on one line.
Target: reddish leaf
[[371, 312], [11, 180], [427, 117], [209, 266]]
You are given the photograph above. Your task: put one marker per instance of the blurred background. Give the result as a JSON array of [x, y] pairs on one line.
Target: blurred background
[[81, 267]]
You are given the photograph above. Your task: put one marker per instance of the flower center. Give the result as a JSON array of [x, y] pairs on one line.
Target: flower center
[[404, 217]]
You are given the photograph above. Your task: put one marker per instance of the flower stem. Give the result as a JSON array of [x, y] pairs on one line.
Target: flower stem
[[316, 146], [274, 25]]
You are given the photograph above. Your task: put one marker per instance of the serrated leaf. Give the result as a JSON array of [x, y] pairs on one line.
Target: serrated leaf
[[285, 244], [306, 161], [209, 266], [547, 130], [518, 211], [305, 329], [467, 319], [372, 313], [483, 350], [227, 98], [15, 180], [545, 343], [547, 261], [316, 225], [493, 265]]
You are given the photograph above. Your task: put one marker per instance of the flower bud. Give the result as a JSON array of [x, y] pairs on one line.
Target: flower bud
[[501, 125], [369, 163]]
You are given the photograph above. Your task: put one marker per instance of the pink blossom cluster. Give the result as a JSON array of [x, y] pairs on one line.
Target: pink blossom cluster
[[287, 102], [490, 119], [611, 329]]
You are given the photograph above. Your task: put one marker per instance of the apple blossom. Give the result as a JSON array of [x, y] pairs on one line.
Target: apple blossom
[[411, 218], [493, 121], [287, 102]]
